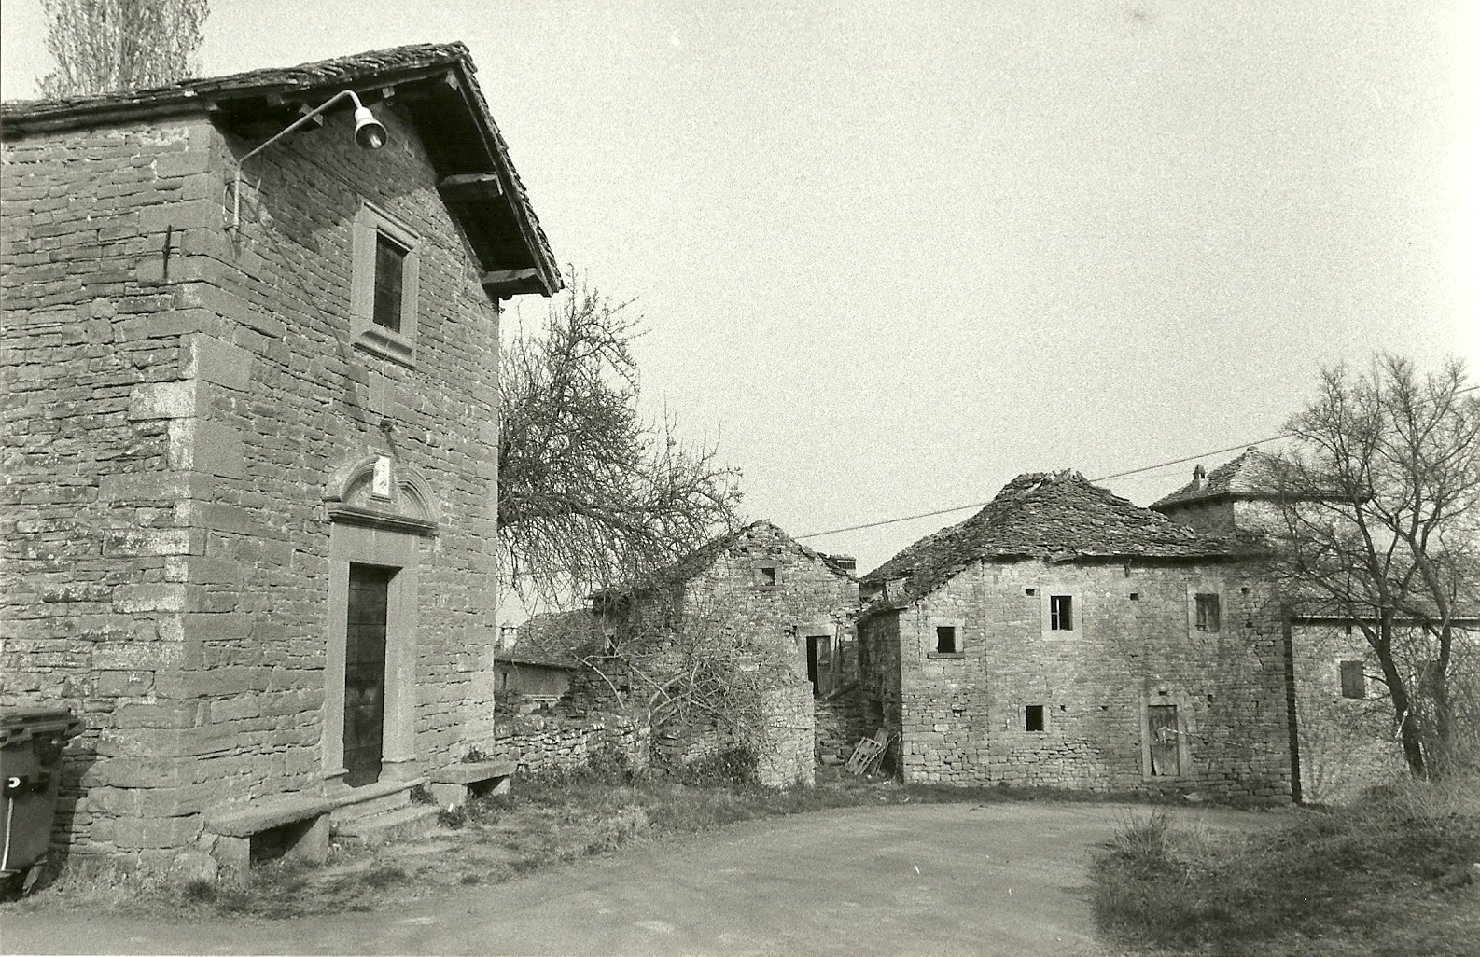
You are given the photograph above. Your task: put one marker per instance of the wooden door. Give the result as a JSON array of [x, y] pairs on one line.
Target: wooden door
[[364, 673], [1165, 740]]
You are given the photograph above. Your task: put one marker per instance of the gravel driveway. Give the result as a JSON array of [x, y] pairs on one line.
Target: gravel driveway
[[1002, 878]]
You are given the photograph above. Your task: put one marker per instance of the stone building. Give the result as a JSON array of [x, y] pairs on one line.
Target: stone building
[[1065, 637], [1344, 718], [784, 604], [250, 402]]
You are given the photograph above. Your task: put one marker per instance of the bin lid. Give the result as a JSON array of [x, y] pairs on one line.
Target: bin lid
[[28, 722]]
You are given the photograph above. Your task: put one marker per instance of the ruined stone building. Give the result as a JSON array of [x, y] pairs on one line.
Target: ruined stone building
[[1343, 716], [787, 609], [1064, 637], [250, 415]]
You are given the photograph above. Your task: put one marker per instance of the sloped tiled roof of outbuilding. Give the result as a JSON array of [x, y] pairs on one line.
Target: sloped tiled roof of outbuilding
[[455, 112], [1051, 516], [696, 562]]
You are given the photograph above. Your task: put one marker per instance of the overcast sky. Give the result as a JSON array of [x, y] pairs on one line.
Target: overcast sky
[[893, 254]]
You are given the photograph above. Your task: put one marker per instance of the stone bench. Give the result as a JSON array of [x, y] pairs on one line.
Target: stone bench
[[455, 784], [301, 822]]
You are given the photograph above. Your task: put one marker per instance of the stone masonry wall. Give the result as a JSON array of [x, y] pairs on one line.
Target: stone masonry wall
[[1346, 744], [553, 743], [963, 716], [178, 400]]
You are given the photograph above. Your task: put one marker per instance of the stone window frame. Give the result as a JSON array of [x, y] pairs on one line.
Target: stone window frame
[[1205, 587], [1046, 595], [1186, 729], [1044, 716], [399, 346], [932, 624]]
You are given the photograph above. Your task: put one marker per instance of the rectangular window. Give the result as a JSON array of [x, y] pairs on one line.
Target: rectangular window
[[1161, 722], [768, 576], [1209, 617], [390, 262], [945, 640], [1353, 680], [1060, 613], [1033, 717]]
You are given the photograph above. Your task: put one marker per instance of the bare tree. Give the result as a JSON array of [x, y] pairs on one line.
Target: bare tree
[[591, 494], [1379, 514], [105, 45]]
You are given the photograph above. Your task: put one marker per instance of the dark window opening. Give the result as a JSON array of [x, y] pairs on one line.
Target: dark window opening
[[390, 268], [611, 646], [1030, 591], [1353, 680], [1060, 613], [1209, 616], [1033, 717], [768, 576], [1135, 596], [945, 640]]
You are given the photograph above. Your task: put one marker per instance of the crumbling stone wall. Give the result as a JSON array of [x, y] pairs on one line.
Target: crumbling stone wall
[[840, 719], [178, 400], [963, 717]]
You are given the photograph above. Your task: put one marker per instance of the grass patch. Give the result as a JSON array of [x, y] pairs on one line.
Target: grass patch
[[1383, 877]]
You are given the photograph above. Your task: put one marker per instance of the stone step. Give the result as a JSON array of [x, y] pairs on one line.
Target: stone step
[[405, 823], [372, 799]]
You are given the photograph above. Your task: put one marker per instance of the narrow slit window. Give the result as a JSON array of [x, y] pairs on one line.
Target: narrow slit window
[[390, 267], [1209, 614], [1060, 613], [1033, 717], [1353, 680], [945, 640]]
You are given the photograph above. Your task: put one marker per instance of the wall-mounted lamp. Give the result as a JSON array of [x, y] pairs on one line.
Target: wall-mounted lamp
[[369, 135]]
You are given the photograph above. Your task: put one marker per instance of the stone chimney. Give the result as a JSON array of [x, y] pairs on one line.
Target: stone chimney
[[1199, 478]]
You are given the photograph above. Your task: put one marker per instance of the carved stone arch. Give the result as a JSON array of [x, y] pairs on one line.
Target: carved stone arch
[[410, 505]]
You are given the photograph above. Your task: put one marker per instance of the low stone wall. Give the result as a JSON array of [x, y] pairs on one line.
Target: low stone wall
[[539, 743]]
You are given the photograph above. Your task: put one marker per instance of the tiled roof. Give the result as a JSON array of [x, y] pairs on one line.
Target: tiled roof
[[554, 639], [1052, 516], [308, 82], [698, 561], [1251, 474]]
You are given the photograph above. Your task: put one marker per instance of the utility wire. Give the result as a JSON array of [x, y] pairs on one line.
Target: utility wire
[[1102, 478]]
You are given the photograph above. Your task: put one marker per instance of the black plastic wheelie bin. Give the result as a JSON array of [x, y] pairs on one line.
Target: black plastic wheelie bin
[[31, 742]]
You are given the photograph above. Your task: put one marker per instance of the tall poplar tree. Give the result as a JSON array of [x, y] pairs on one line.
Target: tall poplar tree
[[106, 45]]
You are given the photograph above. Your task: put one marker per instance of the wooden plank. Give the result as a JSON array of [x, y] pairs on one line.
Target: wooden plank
[[486, 185], [501, 279]]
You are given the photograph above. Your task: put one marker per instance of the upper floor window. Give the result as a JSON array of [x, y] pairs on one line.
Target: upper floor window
[[945, 640], [385, 285], [390, 270], [1353, 679], [1061, 612], [1208, 613], [766, 576]]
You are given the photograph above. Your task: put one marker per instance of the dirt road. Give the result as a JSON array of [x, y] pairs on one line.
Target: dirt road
[[1007, 879]]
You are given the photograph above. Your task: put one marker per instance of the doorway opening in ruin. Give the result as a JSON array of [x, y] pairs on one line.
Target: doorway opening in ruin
[[819, 662]]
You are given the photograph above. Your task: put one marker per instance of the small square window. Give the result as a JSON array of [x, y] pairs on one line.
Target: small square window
[[1060, 613], [1209, 616], [945, 640], [1353, 680], [1033, 717], [767, 576]]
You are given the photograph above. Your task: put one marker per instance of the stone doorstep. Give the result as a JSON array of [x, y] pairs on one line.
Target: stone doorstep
[[417, 820]]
